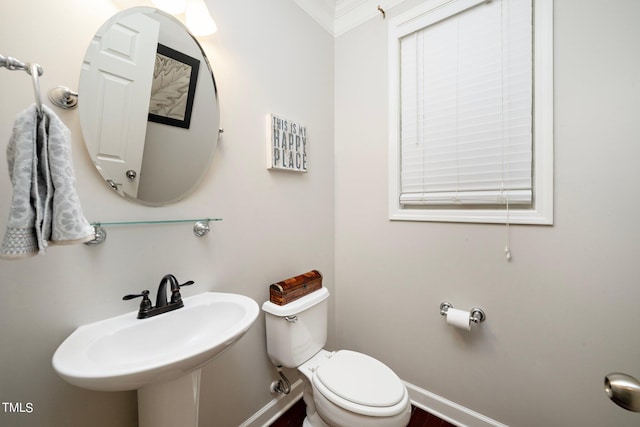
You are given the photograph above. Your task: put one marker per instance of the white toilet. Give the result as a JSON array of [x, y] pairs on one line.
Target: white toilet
[[343, 388]]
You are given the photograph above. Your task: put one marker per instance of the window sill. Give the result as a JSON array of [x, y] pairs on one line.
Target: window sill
[[537, 216]]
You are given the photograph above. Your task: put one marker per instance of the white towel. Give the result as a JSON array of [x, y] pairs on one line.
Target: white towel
[[45, 205]]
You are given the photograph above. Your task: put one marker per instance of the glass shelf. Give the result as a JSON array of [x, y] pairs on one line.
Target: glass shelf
[[200, 227]]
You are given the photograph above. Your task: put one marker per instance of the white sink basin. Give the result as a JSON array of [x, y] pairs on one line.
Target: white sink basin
[[126, 353]]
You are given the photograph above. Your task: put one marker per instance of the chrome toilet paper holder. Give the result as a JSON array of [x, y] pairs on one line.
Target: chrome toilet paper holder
[[476, 314]]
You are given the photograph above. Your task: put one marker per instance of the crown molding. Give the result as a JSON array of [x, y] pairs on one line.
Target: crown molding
[[352, 13], [340, 16]]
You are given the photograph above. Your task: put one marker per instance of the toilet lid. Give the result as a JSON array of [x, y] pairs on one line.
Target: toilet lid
[[360, 379]]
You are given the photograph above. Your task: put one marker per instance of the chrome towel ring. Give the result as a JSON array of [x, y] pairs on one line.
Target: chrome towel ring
[[34, 70]]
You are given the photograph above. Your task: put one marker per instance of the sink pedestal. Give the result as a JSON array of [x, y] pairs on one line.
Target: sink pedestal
[[170, 403]]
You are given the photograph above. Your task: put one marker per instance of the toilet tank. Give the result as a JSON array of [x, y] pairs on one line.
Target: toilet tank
[[298, 330]]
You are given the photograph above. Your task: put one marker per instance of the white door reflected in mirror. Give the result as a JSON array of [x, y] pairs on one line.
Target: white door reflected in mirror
[[169, 159]]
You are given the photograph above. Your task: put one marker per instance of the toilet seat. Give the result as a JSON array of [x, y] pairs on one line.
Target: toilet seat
[[360, 384]]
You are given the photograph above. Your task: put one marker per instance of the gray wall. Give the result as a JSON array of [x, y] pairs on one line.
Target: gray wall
[[268, 57], [564, 312]]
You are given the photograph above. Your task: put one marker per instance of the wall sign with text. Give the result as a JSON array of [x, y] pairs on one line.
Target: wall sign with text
[[287, 144]]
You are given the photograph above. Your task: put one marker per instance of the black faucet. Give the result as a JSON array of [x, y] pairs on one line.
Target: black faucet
[[162, 306]]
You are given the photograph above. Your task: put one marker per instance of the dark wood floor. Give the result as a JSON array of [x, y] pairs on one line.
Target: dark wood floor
[[419, 418]]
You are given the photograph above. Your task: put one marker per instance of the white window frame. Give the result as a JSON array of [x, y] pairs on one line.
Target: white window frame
[[541, 211]]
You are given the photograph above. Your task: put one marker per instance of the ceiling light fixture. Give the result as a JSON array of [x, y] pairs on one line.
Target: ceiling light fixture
[[198, 19]]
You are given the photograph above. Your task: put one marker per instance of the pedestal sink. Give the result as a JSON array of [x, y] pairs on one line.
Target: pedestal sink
[[160, 356]]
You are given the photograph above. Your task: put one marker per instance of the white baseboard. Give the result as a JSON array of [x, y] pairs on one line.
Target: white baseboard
[[447, 410], [442, 408], [276, 407]]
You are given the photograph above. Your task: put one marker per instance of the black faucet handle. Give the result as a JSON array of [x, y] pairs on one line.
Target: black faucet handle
[[145, 304], [144, 294], [176, 297]]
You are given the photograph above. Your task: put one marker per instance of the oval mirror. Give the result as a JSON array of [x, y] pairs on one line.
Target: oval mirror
[[148, 106]]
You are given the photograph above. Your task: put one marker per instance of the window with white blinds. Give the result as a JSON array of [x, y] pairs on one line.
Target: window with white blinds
[[463, 119]]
